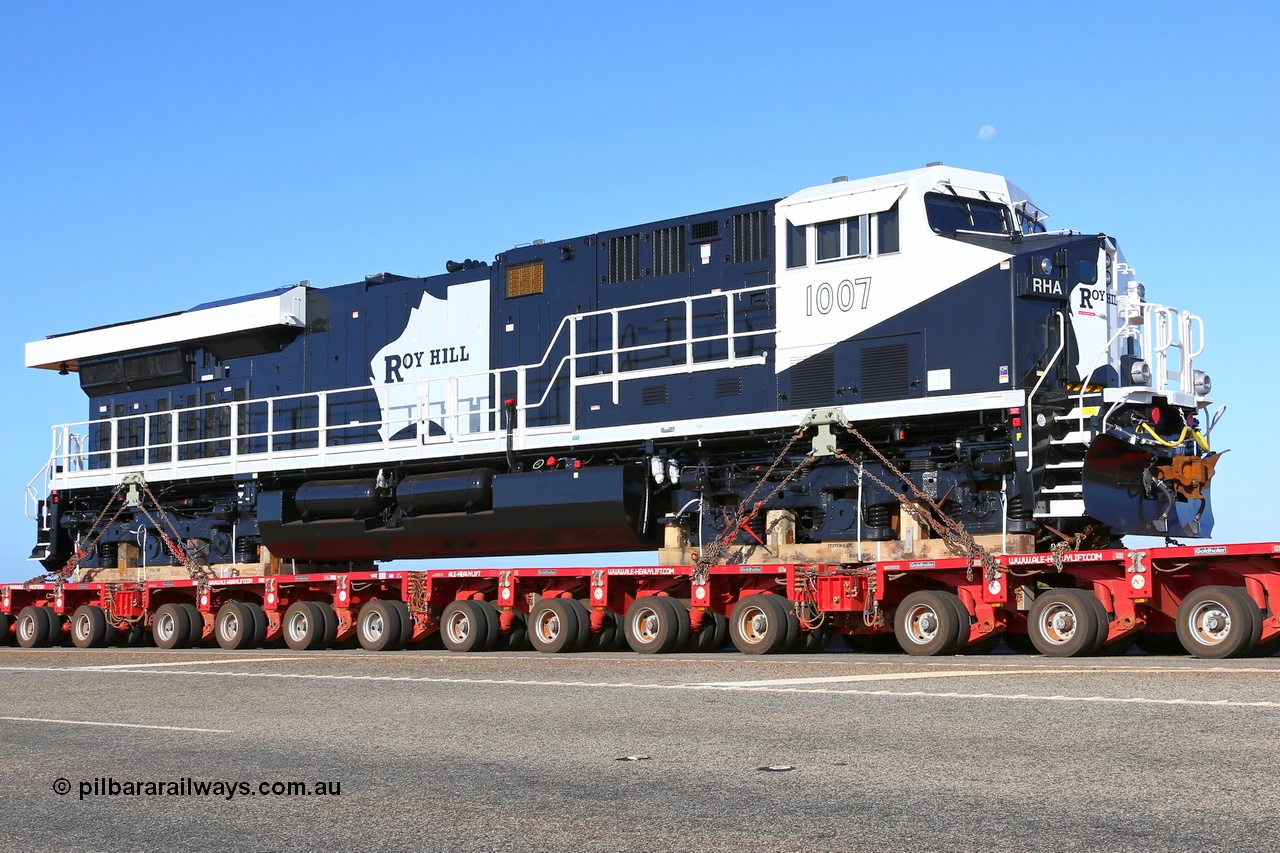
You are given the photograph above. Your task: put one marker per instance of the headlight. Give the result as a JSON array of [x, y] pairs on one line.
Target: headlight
[[1203, 383], [1140, 373]]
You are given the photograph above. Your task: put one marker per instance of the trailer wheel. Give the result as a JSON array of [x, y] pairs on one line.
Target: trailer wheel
[[679, 620], [196, 637], [329, 619], [1064, 623], [378, 626], [966, 623], [1218, 622], [1257, 616], [171, 627], [406, 623], [89, 628], [33, 627], [55, 627], [555, 625], [651, 626], [714, 633], [259, 623], [5, 621], [303, 627], [758, 624], [465, 626], [927, 623], [234, 627]]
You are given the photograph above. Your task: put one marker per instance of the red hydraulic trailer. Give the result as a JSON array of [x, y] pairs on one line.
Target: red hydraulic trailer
[[1212, 601]]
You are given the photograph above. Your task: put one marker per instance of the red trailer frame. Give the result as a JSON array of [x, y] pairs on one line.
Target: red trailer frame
[[1217, 600]]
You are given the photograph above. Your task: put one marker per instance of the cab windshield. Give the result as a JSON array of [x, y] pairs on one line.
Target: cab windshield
[[949, 214]]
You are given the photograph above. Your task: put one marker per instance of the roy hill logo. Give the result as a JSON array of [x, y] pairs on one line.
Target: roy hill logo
[[395, 364], [436, 369]]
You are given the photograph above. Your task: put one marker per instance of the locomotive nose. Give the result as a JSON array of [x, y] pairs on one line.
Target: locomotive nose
[[1137, 492]]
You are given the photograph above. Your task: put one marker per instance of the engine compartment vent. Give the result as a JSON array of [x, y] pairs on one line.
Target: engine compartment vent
[[813, 381], [653, 395], [886, 371]]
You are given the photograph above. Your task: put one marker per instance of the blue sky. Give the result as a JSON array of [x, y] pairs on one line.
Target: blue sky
[[154, 156]]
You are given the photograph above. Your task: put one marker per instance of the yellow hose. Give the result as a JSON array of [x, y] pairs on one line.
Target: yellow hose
[[1200, 439]]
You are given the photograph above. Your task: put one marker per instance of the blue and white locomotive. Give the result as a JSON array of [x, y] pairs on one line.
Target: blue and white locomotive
[[581, 395]]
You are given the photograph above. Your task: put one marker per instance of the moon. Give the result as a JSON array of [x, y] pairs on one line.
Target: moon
[[986, 132]]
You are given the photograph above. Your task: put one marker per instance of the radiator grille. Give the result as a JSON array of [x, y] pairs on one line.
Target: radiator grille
[[668, 251], [813, 381], [885, 371], [750, 238], [624, 258]]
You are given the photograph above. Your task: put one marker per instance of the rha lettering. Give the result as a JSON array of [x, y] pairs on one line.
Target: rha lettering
[[1047, 286]]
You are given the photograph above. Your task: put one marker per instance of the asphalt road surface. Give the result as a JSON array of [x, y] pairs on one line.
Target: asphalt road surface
[[433, 751]]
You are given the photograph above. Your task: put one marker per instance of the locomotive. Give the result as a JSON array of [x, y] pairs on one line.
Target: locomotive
[[595, 393]]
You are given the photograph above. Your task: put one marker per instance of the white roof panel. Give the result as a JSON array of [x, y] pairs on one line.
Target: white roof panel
[[286, 308]]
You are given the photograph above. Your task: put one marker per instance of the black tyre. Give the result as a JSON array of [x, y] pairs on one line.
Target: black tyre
[[680, 620], [714, 633], [172, 626], [303, 626], [1104, 623], [651, 626], [378, 626], [555, 625], [1218, 622], [466, 626], [6, 624], [57, 624], [259, 623], [196, 637], [758, 624], [330, 621], [89, 628], [406, 623], [235, 626], [1065, 623], [1159, 642], [966, 623], [1258, 617], [793, 625], [927, 623], [33, 627]]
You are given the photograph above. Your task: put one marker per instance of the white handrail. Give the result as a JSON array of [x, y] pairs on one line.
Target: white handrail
[[324, 439]]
